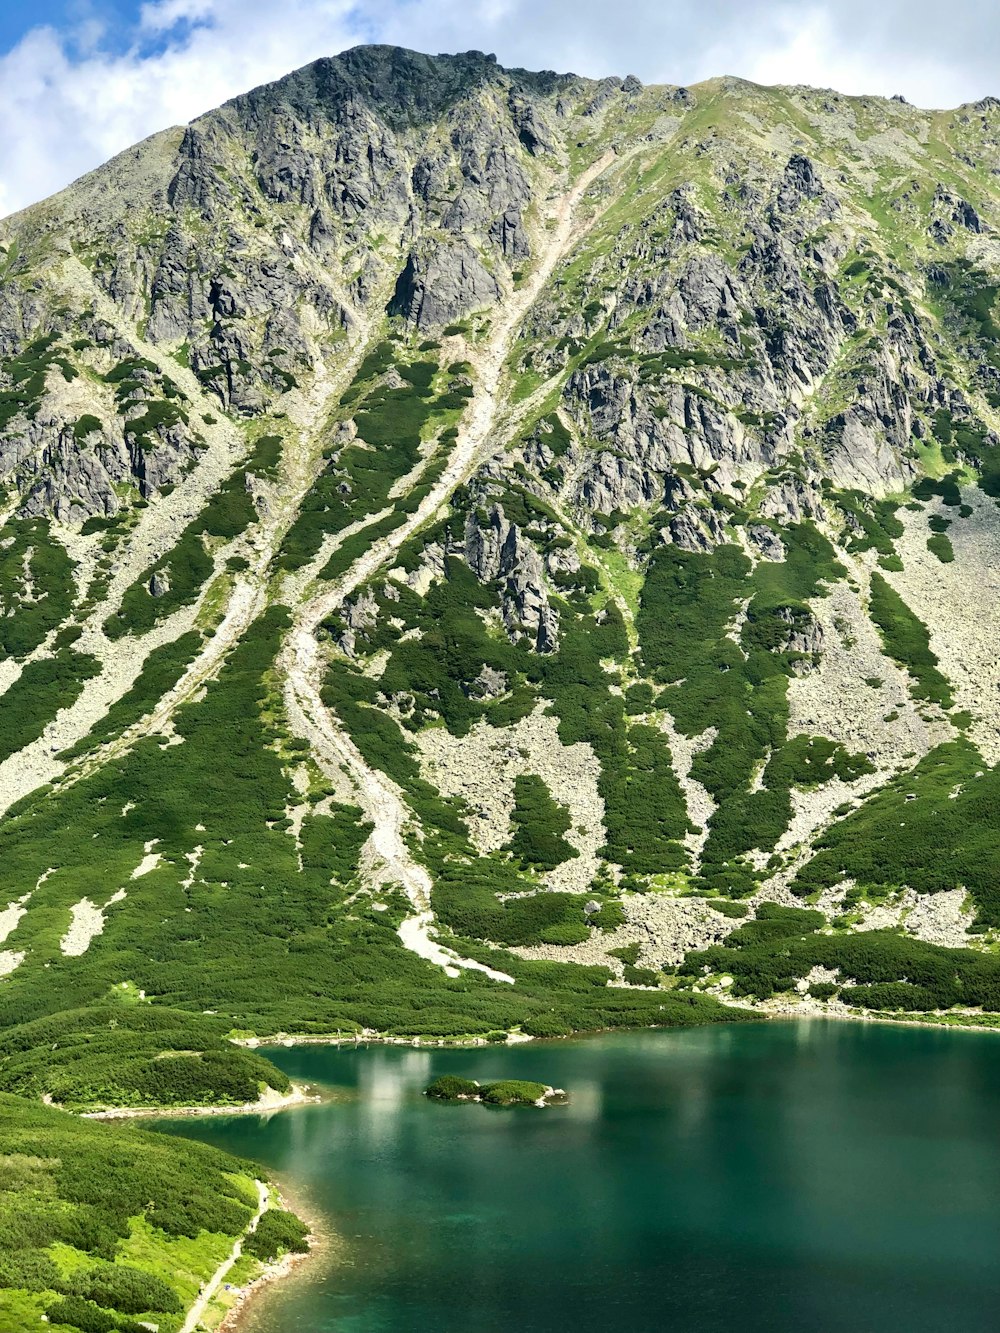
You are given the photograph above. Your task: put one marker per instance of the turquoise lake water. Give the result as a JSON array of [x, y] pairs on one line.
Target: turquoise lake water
[[799, 1177]]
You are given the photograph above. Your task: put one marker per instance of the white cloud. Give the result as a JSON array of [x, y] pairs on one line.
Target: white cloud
[[63, 116], [167, 14], [68, 100], [810, 51]]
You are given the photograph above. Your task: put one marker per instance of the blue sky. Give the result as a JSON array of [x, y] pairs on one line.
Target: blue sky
[[83, 79], [17, 17]]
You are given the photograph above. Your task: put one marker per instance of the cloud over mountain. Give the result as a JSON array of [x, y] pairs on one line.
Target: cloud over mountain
[[71, 97]]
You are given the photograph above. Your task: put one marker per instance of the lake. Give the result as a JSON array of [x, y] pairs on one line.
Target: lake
[[808, 1177]]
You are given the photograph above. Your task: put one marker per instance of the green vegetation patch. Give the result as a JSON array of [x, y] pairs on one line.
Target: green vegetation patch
[[654, 364], [940, 545], [503, 1092], [318, 958], [873, 524], [645, 812], [452, 1088], [75, 1196], [278, 1232], [161, 671], [157, 416], [84, 426], [147, 418], [512, 1092], [186, 568], [973, 295], [391, 422], [907, 642], [25, 376], [37, 591], [878, 969], [44, 687], [122, 1053], [539, 824], [810, 761], [688, 603], [934, 828]]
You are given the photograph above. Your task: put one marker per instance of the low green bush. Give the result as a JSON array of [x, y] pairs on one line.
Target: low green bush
[[939, 544], [512, 1092], [907, 641], [121, 1287], [37, 591], [45, 687], [539, 823], [451, 1087], [278, 1232], [931, 829], [76, 1313], [892, 971]]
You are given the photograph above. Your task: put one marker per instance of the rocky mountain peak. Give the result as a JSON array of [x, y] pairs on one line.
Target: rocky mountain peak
[[404, 89], [558, 514]]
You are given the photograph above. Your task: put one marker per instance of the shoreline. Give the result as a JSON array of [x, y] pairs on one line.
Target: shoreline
[[372, 1037], [268, 1102], [249, 1294], [803, 1010], [789, 1010]]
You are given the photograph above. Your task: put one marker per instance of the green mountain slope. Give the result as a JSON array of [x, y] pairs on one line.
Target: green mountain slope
[[480, 551], [475, 545], [116, 1229]]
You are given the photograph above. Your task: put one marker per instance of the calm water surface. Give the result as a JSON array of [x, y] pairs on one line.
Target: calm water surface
[[807, 1177]]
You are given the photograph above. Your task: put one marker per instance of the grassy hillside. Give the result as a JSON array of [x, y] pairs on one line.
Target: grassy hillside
[[107, 1227], [476, 548]]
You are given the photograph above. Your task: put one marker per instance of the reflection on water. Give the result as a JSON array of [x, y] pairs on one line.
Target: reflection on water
[[808, 1177]]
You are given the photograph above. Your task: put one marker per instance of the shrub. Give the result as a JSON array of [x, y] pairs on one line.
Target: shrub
[[27, 1269], [931, 829], [641, 976], [121, 1287], [610, 916], [512, 1092], [277, 1233], [542, 1026], [85, 426], [822, 990], [450, 1087], [565, 933], [539, 823], [728, 908], [907, 641], [86, 1317], [940, 545]]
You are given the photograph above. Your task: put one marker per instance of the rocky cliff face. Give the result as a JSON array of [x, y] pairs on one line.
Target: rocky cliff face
[[633, 447]]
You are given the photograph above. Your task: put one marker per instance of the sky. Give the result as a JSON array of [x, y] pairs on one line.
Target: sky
[[80, 80]]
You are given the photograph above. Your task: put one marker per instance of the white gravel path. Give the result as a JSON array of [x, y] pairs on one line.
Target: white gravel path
[[480, 436]]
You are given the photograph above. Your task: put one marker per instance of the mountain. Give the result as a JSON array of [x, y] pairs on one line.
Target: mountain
[[491, 550]]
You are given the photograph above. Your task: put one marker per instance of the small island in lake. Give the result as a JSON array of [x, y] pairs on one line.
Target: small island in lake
[[505, 1092]]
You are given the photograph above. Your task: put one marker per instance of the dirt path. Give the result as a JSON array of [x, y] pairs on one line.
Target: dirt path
[[387, 853], [210, 1288], [489, 422]]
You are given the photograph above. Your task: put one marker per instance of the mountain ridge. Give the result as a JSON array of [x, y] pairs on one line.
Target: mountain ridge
[[487, 62], [632, 447], [518, 564]]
